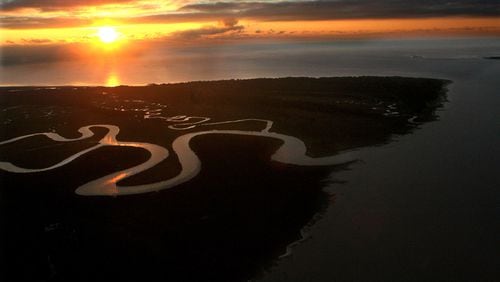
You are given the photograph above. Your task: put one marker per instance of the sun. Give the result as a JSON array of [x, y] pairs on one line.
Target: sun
[[108, 34]]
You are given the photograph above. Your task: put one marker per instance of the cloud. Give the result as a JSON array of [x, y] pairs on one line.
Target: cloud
[[37, 41], [229, 22], [348, 9], [226, 27], [302, 10], [16, 22], [30, 54], [9, 5]]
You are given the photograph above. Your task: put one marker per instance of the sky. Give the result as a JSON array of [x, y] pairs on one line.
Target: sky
[[65, 21], [73, 27]]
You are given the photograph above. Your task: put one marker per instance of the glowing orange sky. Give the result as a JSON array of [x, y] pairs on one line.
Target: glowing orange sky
[[52, 22]]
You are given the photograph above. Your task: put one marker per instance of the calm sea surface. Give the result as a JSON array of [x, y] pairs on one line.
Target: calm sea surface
[[436, 57], [427, 206], [424, 206]]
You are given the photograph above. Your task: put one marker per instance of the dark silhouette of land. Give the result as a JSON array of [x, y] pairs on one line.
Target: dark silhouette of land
[[227, 224]]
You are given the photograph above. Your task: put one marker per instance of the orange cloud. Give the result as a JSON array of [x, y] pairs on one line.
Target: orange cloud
[[50, 5], [33, 21]]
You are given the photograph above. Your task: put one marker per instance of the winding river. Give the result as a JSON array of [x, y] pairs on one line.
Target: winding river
[[292, 151]]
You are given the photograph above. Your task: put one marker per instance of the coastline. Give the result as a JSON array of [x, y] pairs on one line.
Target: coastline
[[241, 211]]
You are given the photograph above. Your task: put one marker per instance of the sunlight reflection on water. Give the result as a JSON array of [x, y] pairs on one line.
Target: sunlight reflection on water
[[258, 59], [112, 80]]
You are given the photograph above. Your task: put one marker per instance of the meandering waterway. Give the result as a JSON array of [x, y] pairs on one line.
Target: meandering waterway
[[292, 151]]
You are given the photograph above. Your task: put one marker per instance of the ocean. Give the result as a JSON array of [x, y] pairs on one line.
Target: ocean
[[249, 59]]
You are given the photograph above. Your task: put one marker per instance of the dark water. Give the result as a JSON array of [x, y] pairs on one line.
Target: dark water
[[425, 207]]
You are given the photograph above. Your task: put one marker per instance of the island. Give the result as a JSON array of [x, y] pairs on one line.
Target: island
[[206, 180]]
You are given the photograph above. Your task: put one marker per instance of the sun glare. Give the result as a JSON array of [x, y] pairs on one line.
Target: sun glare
[[107, 34], [112, 80]]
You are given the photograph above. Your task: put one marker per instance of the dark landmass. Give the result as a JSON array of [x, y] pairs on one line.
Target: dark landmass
[[227, 224], [493, 58]]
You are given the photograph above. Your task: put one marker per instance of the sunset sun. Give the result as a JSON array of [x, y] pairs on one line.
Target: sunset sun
[[107, 34]]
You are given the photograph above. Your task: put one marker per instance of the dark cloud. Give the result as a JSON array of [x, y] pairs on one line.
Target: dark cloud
[[8, 5], [230, 22], [229, 26], [37, 41], [349, 9], [33, 53], [13, 22]]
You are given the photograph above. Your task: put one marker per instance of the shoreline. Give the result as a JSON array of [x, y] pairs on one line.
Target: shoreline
[[242, 210], [56, 86]]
